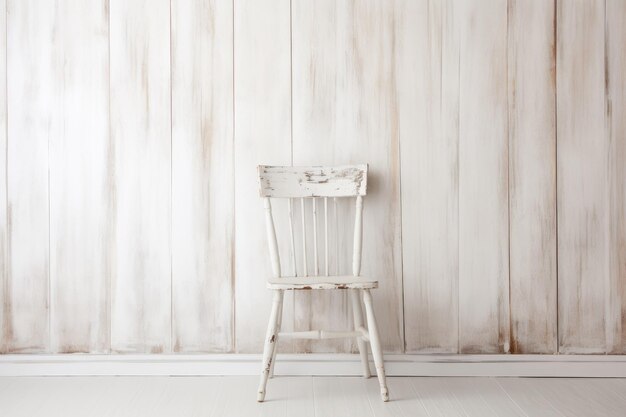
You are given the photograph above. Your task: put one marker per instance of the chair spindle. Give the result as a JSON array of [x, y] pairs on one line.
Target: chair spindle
[[358, 234], [304, 257], [293, 245], [326, 234], [315, 265]]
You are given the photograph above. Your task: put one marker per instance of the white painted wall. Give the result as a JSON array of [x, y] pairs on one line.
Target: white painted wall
[[130, 131]]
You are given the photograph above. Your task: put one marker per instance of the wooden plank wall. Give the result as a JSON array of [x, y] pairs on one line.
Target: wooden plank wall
[[532, 176], [262, 113], [130, 132], [79, 179], [345, 111], [202, 175]]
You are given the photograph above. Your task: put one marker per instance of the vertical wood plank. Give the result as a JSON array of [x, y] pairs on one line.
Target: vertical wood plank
[[429, 63], [616, 124], [483, 179], [140, 129], [262, 136], [582, 199], [4, 276], [80, 179], [345, 110], [202, 175], [532, 181], [30, 81]]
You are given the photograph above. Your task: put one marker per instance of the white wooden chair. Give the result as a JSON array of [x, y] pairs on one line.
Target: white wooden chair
[[318, 183]]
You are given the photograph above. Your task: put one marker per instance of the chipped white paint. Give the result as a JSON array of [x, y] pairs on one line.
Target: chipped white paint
[[282, 184], [320, 283], [340, 181]]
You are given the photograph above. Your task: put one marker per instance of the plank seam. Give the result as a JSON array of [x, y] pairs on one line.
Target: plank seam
[[233, 252], [556, 170]]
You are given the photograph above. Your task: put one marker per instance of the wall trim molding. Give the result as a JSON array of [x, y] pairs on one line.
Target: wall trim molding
[[610, 366]]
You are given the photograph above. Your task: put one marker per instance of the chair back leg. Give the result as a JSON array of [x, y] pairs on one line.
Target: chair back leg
[[357, 314], [375, 344], [271, 338]]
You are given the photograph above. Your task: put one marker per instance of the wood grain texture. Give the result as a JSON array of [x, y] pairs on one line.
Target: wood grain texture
[[30, 92], [429, 97], [80, 179], [483, 182], [140, 130], [202, 176], [616, 125], [582, 200], [262, 136], [4, 258], [532, 181], [345, 110]]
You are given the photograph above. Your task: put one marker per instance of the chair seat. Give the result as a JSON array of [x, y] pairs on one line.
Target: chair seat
[[340, 282]]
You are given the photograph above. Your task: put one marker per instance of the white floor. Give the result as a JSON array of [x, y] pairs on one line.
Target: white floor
[[310, 396]]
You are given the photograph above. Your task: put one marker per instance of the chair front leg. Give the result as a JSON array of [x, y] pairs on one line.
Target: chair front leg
[[357, 315], [280, 324], [271, 338], [375, 344]]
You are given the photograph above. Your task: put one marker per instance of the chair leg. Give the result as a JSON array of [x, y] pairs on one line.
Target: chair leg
[[271, 338], [357, 314], [279, 325], [375, 344]]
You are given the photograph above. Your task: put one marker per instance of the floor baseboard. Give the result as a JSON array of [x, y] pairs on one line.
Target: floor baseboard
[[609, 366]]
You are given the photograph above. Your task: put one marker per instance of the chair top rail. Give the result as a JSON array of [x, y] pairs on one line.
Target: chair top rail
[[313, 181]]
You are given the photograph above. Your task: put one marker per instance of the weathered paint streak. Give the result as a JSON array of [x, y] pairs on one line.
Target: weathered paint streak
[[202, 176], [140, 128], [5, 301], [582, 191], [483, 179], [428, 33], [616, 124], [532, 182]]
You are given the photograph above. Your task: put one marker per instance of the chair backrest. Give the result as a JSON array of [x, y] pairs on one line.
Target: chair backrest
[[320, 185]]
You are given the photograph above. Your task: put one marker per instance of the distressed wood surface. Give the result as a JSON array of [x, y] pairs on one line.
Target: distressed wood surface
[[30, 92], [429, 97], [336, 282], [342, 181], [616, 124], [262, 136], [202, 176], [532, 181], [80, 180], [483, 182], [140, 130], [4, 258], [582, 190], [345, 99]]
